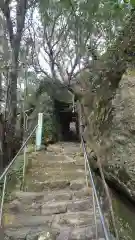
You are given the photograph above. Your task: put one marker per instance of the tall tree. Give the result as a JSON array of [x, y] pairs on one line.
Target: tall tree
[[71, 33], [15, 24]]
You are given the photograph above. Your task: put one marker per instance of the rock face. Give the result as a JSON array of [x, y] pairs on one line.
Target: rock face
[[113, 141]]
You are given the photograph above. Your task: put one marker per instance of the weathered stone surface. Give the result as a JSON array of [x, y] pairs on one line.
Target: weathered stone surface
[[100, 231], [80, 205], [116, 135], [101, 239], [84, 233], [54, 208], [6, 238], [28, 196], [49, 184], [64, 234], [77, 184], [55, 148], [45, 235], [59, 195], [56, 184], [18, 207], [15, 206], [71, 150], [69, 233], [2, 234], [27, 233], [86, 191], [67, 194], [57, 205], [34, 221], [78, 233], [73, 219], [18, 233]]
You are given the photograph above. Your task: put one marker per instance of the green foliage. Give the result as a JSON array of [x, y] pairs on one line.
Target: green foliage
[[131, 2], [93, 18], [122, 4], [14, 177], [44, 103], [49, 129]]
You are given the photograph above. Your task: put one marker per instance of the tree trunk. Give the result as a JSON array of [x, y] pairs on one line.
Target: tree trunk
[[99, 105], [10, 141], [104, 80]]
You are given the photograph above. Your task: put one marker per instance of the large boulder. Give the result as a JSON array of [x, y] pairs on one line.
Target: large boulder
[[113, 140]]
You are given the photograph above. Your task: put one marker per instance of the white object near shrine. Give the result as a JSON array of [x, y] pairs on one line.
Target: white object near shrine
[[39, 131]]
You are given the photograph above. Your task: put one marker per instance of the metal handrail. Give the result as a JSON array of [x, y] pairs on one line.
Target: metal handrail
[[7, 169], [13, 160], [94, 190]]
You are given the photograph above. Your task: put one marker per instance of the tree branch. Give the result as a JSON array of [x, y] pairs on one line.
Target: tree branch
[[6, 11], [70, 74], [20, 19]]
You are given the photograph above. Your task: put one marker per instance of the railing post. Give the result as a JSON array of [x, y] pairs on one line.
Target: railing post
[[73, 102], [39, 131], [25, 151], [95, 216], [24, 168], [2, 199]]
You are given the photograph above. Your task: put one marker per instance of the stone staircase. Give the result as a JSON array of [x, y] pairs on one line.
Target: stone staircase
[[56, 204]]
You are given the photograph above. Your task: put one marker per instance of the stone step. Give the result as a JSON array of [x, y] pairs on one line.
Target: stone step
[[70, 233], [59, 200], [49, 208], [27, 233], [73, 219], [58, 207], [57, 167], [45, 196], [37, 186], [28, 196], [56, 221], [56, 173], [66, 162], [52, 158], [79, 218], [23, 220], [67, 194], [81, 233], [51, 203], [76, 184], [64, 147]]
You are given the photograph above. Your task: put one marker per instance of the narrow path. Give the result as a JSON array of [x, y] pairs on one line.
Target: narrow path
[[57, 201]]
